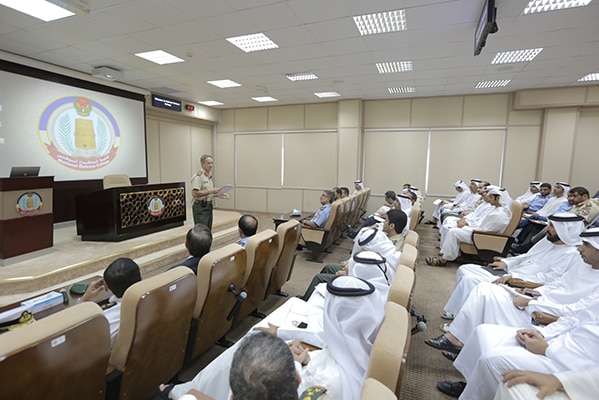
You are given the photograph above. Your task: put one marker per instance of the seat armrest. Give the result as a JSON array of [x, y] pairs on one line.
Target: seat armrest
[[541, 318], [199, 395], [519, 283]]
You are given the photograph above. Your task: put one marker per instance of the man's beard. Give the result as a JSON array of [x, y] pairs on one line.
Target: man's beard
[[552, 238]]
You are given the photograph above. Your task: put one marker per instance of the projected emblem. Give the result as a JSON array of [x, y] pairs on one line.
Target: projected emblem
[[156, 206], [79, 133], [29, 203]]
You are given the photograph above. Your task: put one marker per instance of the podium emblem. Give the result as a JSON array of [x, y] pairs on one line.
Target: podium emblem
[[79, 133], [29, 203], [156, 206]]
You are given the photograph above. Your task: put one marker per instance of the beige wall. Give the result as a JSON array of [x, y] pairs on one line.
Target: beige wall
[[509, 139]]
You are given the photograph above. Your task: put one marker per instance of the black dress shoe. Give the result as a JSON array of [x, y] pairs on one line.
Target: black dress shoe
[[450, 356], [442, 343], [454, 389]]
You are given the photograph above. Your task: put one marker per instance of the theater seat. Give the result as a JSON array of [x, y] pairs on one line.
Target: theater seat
[[318, 240], [412, 238], [262, 251], [486, 245], [150, 346], [373, 389], [62, 356], [289, 237], [118, 180], [408, 257], [212, 315], [402, 287], [389, 351]]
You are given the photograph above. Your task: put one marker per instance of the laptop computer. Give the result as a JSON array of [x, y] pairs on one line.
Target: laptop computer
[[24, 171]]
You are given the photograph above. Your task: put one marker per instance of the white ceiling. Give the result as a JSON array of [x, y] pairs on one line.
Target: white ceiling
[[318, 36]]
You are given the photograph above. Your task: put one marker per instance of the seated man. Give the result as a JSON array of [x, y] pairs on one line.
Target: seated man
[[319, 219], [468, 205], [247, 227], [358, 186], [568, 344], [531, 192], [494, 221], [470, 217], [583, 204], [539, 200], [118, 276], [197, 242], [463, 195], [546, 262], [489, 303], [523, 385]]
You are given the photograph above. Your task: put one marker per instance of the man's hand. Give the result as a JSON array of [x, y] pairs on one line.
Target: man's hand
[[532, 340], [547, 384], [502, 279], [462, 223], [521, 302], [300, 353], [498, 265], [272, 329], [94, 289]]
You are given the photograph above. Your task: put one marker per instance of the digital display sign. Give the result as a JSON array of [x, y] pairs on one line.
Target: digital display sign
[[165, 102]]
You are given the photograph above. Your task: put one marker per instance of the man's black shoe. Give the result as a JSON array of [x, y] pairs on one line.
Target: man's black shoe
[[454, 389]]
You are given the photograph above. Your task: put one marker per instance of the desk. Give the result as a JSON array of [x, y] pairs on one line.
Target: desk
[[122, 213], [281, 219]]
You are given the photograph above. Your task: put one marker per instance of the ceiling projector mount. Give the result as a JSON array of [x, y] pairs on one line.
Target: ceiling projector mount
[[107, 73]]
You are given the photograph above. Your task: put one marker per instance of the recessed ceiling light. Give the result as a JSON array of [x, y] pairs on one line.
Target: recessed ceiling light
[[39, 9], [590, 77], [492, 84], [383, 22], [406, 89], [301, 76], [160, 57], [537, 6], [224, 83], [327, 94], [395, 66], [264, 99], [253, 42], [210, 103], [515, 56]]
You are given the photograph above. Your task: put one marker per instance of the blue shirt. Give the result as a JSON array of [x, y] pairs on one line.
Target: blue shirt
[[322, 215], [537, 203]]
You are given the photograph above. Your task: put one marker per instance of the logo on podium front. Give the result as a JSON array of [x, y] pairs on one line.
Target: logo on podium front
[[29, 203], [79, 133], [156, 206]]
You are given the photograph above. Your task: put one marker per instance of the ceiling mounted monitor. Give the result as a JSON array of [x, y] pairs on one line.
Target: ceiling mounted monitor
[[486, 25]]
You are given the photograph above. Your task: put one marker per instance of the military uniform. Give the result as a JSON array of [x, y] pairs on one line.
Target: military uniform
[[202, 206], [589, 210]]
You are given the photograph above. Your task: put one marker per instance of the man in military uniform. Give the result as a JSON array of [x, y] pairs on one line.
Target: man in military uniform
[[583, 204], [203, 191]]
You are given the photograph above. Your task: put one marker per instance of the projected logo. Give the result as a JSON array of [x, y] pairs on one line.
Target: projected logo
[[29, 203], [79, 133]]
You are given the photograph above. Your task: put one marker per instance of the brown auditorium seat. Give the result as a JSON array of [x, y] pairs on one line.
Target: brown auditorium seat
[[289, 237], [150, 346], [402, 287], [408, 257], [318, 240], [62, 356], [412, 238], [119, 180], [218, 271], [262, 252], [389, 351]]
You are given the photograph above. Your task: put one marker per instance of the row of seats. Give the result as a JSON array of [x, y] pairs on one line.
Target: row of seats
[[344, 213], [165, 320]]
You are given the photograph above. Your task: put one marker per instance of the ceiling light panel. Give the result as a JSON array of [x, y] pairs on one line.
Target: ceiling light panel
[[399, 90], [39, 9], [224, 83], [253, 42], [395, 66], [383, 22], [301, 76], [327, 94], [537, 6], [160, 57], [516, 56], [211, 103], [590, 77], [264, 99], [492, 84]]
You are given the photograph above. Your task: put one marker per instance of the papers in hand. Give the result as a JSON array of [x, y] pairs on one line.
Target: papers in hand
[[437, 202], [295, 213], [224, 189]]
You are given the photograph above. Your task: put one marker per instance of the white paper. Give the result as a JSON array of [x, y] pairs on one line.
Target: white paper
[[224, 189]]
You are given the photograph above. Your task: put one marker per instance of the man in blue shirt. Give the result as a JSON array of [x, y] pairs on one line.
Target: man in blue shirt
[[247, 226], [319, 219], [540, 199]]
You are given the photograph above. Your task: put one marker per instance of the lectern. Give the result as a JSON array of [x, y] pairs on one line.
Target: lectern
[[26, 218], [122, 213]]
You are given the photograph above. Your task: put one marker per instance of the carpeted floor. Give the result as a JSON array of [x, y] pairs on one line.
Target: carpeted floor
[[425, 365]]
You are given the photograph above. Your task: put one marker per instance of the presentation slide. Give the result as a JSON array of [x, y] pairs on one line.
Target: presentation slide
[[70, 132]]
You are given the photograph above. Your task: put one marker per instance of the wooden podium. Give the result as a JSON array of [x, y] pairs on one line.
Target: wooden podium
[[26, 218], [121, 213]]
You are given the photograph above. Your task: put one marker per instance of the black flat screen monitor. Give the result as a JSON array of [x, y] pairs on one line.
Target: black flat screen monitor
[[24, 171]]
